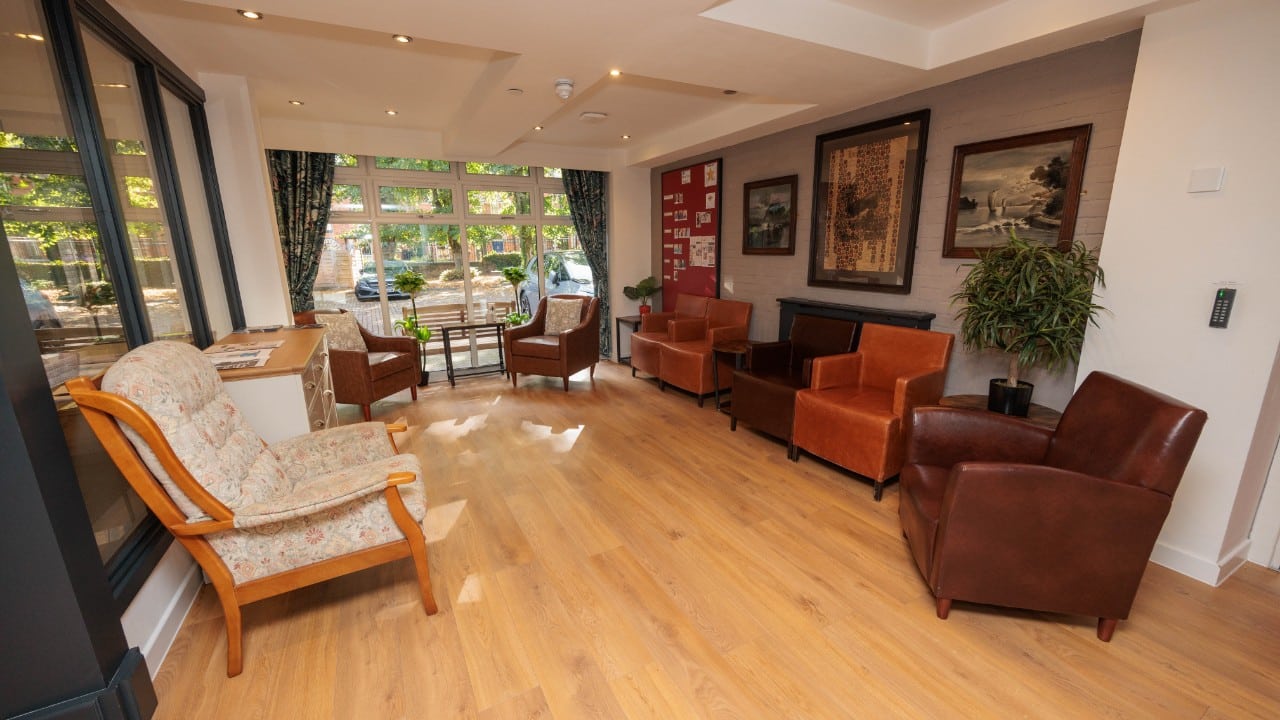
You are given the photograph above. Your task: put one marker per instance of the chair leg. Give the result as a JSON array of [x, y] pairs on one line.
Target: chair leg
[[231, 614], [513, 379], [633, 372], [733, 422], [793, 452], [879, 490], [417, 546], [566, 383], [944, 608], [1106, 628], [593, 372], [413, 392], [368, 413], [662, 386], [699, 401]]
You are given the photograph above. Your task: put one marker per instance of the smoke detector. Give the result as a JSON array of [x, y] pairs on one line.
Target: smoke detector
[[564, 88], [592, 116]]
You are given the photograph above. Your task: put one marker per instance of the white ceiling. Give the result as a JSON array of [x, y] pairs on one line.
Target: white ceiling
[[790, 62]]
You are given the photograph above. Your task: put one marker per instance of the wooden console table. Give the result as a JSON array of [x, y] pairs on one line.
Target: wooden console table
[[293, 393], [1040, 415]]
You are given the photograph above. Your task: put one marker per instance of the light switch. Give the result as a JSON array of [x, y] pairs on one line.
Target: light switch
[[1206, 180]]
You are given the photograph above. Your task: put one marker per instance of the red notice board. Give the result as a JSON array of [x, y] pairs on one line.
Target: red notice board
[[691, 232]]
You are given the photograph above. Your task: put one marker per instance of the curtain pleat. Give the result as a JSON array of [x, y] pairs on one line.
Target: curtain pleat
[[302, 185], [585, 190]]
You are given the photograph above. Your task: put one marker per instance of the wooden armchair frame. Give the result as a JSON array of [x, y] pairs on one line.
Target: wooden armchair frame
[[104, 410]]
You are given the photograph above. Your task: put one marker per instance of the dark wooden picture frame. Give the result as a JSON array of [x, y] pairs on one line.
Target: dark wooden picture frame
[[866, 204], [1027, 183], [769, 216]]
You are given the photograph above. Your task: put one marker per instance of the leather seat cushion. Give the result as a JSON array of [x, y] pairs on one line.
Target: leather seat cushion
[[854, 428], [382, 364], [539, 346]]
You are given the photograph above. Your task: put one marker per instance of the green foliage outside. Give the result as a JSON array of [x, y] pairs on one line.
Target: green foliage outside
[[555, 204], [483, 168], [347, 198], [1030, 301], [454, 275], [399, 163], [342, 160], [499, 261], [498, 202]]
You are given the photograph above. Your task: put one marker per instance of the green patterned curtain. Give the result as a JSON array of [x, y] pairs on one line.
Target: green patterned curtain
[[302, 185], [585, 190]]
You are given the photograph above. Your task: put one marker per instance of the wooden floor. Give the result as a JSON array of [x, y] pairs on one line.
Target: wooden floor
[[619, 553]]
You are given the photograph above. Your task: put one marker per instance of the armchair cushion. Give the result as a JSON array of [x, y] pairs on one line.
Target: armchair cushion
[[343, 332], [382, 364], [540, 346], [562, 314]]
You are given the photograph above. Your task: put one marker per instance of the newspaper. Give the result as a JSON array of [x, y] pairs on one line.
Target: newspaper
[[233, 356]]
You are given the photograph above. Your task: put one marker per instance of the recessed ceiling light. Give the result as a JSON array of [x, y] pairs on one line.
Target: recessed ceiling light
[[626, 137], [615, 72], [29, 36], [250, 14], [730, 92], [537, 127], [404, 39], [592, 116], [113, 85], [296, 102], [515, 91], [392, 112]]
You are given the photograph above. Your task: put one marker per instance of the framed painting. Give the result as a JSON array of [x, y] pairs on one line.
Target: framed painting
[[1029, 184], [769, 216], [866, 204]]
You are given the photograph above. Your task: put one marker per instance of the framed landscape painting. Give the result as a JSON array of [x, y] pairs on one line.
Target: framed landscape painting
[[866, 204], [1028, 184], [769, 216]]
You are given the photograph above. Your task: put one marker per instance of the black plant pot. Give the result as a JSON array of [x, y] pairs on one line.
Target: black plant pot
[[1008, 400], [424, 377]]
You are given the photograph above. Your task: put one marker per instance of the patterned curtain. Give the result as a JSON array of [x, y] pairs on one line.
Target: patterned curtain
[[302, 184], [585, 190]]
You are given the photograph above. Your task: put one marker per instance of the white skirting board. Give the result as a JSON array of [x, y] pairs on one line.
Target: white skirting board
[[1206, 571], [156, 614]]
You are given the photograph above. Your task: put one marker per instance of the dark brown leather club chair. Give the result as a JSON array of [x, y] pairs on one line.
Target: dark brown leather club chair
[[764, 394], [366, 367], [1002, 512], [655, 329], [539, 348], [856, 408]]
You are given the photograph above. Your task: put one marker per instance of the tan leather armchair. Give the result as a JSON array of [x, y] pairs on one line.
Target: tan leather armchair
[[764, 392], [368, 367], [530, 350], [646, 345], [858, 403], [686, 357], [1001, 512]]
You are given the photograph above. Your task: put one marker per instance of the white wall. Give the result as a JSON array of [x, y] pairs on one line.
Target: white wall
[[1206, 93], [153, 618], [241, 162], [630, 254]]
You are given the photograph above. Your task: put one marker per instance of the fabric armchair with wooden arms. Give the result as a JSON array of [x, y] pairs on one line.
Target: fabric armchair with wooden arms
[[646, 345], [368, 367], [562, 338], [259, 519], [857, 405], [764, 393], [1001, 512]]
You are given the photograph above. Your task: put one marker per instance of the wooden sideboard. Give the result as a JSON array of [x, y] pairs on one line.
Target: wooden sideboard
[[293, 393], [791, 306]]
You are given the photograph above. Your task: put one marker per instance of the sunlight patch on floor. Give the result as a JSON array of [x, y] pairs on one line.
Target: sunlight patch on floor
[[561, 442], [457, 428], [472, 590], [440, 520]]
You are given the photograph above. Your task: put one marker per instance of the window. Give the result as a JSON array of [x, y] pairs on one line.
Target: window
[[398, 163], [419, 201], [479, 168], [347, 198], [507, 203]]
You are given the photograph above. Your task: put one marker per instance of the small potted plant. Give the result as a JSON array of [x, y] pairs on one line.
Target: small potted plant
[[515, 275], [411, 283], [1032, 302], [642, 291]]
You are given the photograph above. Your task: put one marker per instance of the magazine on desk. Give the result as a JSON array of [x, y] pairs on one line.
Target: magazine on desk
[[233, 356]]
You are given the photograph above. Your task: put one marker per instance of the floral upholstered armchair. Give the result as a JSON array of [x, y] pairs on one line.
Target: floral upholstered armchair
[[260, 519]]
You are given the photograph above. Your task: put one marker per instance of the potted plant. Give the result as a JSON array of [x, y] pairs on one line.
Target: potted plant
[[515, 275], [1032, 302], [411, 283], [642, 291]]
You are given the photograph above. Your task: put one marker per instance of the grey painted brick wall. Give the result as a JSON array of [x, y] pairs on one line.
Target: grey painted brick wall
[[1088, 84]]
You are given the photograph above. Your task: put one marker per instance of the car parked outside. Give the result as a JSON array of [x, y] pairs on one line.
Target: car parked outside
[[566, 273], [367, 286]]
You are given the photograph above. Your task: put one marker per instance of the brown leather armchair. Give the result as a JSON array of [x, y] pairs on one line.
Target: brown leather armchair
[[1001, 512], [646, 345], [531, 351], [369, 367], [686, 358], [857, 403], [764, 394]]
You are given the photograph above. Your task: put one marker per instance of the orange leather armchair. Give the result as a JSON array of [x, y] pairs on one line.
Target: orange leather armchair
[[1001, 512], [646, 345], [764, 393], [531, 351], [855, 410], [686, 358]]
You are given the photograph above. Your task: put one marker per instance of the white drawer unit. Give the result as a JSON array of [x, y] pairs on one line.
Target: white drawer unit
[[291, 394]]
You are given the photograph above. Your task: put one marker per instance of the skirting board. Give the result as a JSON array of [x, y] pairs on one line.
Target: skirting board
[[1198, 568], [154, 617]]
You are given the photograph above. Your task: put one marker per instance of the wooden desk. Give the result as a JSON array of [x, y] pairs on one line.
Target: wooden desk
[[1040, 415], [293, 393]]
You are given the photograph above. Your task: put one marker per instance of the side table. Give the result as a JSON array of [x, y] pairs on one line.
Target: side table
[[1040, 415], [462, 329], [631, 321], [736, 349]]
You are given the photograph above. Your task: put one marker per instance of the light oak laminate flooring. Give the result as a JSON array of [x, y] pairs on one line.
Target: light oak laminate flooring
[[617, 552]]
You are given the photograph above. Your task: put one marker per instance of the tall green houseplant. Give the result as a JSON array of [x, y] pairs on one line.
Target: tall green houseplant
[[1030, 301]]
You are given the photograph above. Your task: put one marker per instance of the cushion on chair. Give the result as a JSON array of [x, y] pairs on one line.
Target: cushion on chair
[[177, 386], [382, 364], [342, 331], [562, 314], [540, 346]]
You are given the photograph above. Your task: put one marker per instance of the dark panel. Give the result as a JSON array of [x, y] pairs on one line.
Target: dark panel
[[858, 313]]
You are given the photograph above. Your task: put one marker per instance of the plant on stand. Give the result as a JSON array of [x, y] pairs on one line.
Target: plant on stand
[[516, 276], [1032, 302], [642, 291], [411, 283]]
